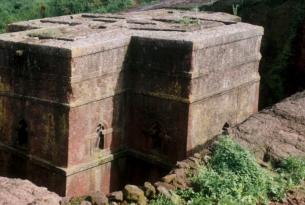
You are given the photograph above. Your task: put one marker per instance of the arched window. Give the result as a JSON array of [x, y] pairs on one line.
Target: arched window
[[22, 133], [100, 144]]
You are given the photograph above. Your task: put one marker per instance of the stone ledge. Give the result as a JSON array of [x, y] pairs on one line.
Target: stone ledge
[[203, 98], [89, 165]]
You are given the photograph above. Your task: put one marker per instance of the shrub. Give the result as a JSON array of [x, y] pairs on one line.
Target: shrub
[[293, 170], [233, 176], [231, 172], [161, 200]]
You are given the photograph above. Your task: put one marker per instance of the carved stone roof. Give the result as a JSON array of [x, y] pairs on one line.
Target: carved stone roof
[[81, 34]]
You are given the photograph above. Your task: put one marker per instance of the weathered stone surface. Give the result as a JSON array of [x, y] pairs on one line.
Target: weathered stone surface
[[101, 87], [183, 164], [85, 203], [125, 203], [181, 180], [165, 192], [276, 132], [99, 198], [198, 155], [116, 196], [65, 200], [165, 185], [150, 190], [180, 173], [23, 192], [134, 194], [169, 178]]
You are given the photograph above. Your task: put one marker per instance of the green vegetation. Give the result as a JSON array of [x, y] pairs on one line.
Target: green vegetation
[[18, 10], [188, 21], [233, 176], [161, 200], [147, 2], [293, 170], [78, 200]]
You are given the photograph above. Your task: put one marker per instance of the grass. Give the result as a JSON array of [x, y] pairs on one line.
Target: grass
[[232, 176], [293, 170], [161, 200], [19, 10], [148, 2]]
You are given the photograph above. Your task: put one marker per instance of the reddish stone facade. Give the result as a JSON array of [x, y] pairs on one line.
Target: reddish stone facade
[[88, 101]]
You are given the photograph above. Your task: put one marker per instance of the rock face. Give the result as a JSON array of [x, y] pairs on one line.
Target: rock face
[[276, 132], [134, 194], [23, 192]]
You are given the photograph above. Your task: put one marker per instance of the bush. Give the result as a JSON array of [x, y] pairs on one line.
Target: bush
[[161, 200], [233, 176], [17, 10], [293, 170]]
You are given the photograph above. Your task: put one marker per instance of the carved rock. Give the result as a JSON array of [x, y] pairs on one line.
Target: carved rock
[[134, 194], [150, 190]]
